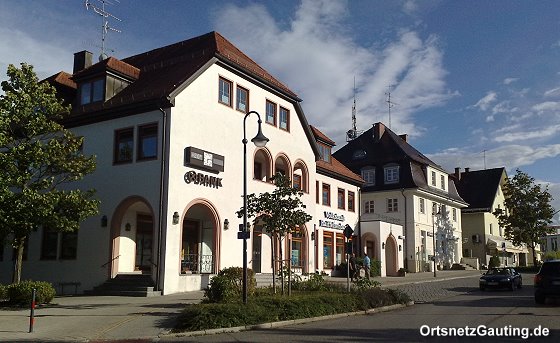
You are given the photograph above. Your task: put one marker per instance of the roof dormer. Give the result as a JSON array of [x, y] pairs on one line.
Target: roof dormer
[[101, 81]]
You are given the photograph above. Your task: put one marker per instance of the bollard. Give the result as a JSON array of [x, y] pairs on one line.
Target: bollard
[[32, 315]]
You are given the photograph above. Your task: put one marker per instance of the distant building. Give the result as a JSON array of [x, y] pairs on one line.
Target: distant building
[[483, 237], [549, 243], [406, 189]]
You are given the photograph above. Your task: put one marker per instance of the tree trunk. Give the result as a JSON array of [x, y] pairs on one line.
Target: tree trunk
[[281, 262], [289, 264], [273, 251], [534, 254], [16, 278]]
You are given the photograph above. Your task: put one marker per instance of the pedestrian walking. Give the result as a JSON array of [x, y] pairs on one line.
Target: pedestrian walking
[[367, 265], [353, 267]]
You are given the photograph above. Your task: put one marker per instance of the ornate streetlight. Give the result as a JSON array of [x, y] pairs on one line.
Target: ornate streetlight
[[260, 141]]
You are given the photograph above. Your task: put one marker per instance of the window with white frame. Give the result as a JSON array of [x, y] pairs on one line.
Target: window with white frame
[[433, 178], [369, 207], [392, 205], [368, 174], [392, 174], [422, 205], [454, 211], [225, 90], [284, 119], [242, 103], [442, 182]]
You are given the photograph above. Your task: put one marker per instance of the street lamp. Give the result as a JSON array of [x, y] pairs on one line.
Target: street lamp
[[260, 141]]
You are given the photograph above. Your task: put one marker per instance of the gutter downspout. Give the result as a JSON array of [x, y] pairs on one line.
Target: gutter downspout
[[360, 221], [162, 193], [405, 233]]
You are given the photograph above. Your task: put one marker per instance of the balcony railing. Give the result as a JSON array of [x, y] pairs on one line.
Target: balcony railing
[[197, 264]]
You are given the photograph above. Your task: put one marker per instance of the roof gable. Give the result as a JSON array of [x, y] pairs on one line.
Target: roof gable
[[479, 187]]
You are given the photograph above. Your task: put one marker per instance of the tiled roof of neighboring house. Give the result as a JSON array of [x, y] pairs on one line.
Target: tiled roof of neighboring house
[[479, 187], [161, 72], [335, 168], [62, 78]]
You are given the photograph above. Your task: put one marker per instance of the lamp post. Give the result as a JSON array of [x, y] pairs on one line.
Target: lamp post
[[260, 141]]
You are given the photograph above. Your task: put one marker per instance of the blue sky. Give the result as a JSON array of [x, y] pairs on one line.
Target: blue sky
[[473, 82]]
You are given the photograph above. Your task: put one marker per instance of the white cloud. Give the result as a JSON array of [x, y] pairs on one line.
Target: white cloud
[[410, 7], [547, 106], [554, 190], [552, 92], [510, 80], [484, 103], [547, 131], [318, 59]]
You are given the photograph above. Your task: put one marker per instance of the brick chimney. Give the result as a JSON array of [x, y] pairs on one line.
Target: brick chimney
[[378, 131], [458, 173], [467, 170], [404, 137], [82, 60]]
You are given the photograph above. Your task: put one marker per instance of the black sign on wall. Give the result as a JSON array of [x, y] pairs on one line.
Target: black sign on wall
[[201, 159]]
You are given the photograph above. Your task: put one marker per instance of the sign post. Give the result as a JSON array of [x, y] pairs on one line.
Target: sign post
[[348, 233]]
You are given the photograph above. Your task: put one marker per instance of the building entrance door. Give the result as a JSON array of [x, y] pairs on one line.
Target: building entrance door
[[144, 240]]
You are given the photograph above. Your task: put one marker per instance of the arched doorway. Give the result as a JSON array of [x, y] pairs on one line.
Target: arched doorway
[[199, 239], [132, 238], [391, 256], [369, 242]]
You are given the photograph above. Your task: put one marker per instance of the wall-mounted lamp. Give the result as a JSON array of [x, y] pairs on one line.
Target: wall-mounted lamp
[[175, 218], [127, 227], [382, 245], [400, 247], [226, 224], [401, 237], [104, 221]]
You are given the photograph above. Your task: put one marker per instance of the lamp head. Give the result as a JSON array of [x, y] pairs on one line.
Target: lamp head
[[260, 140]]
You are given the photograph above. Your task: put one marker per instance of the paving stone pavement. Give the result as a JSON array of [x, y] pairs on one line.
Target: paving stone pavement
[[438, 289]]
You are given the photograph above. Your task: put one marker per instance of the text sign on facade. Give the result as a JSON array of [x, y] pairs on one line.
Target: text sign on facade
[[202, 179], [202, 159], [331, 224]]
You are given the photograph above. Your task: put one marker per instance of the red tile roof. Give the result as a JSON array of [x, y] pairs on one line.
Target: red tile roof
[[321, 136], [62, 78]]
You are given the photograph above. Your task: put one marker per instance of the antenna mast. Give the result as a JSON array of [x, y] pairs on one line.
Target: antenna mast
[[390, 104], [353, 133], [104, 22]]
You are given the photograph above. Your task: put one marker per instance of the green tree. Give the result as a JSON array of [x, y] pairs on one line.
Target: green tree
[[527, 212], [280, 213], [38, 158]]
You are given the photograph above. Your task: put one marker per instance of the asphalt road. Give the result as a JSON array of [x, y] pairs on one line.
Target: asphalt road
[[449, 305]]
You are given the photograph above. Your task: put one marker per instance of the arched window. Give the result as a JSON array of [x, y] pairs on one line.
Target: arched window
[[262, 165], [282, 166], [300, 177]]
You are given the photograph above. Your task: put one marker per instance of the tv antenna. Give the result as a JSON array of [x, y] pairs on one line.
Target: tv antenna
[[353, 133], [105, 28], [390, 104]]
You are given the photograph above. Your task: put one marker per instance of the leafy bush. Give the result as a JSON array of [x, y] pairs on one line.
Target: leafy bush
[[494, 262], [22, 293], [3, 293], [228, 285], [375, 269], [316, 282]]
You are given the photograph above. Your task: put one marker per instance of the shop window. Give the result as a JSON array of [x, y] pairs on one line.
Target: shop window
[[147, 141], [339, 248], [341, 199], [326, 194], [271, 112], [124, 145], [351, 203], [284, 119], [225, 88], [328, 249], [297, 249], [242, 103]]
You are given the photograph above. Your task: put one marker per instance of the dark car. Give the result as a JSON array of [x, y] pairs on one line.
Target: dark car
[[501, 278], [547, 281]]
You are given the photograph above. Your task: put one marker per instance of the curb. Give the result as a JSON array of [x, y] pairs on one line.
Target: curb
[[285, 322]]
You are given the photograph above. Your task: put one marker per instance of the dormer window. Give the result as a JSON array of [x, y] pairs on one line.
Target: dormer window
[[92, 91], [325, 152], [392, 174], [368, 174]]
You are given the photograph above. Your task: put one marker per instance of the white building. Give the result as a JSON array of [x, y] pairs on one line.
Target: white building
[[166, 127], [404, 188]]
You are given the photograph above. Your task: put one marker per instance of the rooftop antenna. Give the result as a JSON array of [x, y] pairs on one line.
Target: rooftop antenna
[[353, 133], [105, 28], [390, 104], [484, 152]]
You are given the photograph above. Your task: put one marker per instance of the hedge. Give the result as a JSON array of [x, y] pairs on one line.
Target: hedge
[[22, 293]]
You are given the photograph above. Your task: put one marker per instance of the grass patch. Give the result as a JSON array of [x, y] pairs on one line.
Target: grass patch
[[265, 307]]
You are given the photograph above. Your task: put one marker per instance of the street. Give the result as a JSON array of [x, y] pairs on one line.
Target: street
[[448, 304]]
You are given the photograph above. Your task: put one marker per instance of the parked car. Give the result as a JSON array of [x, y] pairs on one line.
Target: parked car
[[501, 278], [547, 281]]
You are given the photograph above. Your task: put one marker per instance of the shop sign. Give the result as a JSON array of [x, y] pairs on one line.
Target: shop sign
[[201, 159], [330, 223], [203, 179]]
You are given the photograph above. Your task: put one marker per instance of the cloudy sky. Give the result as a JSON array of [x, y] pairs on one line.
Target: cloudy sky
[[474, 84]]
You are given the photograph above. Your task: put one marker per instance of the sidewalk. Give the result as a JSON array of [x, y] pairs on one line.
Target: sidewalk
[[103, 318]]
